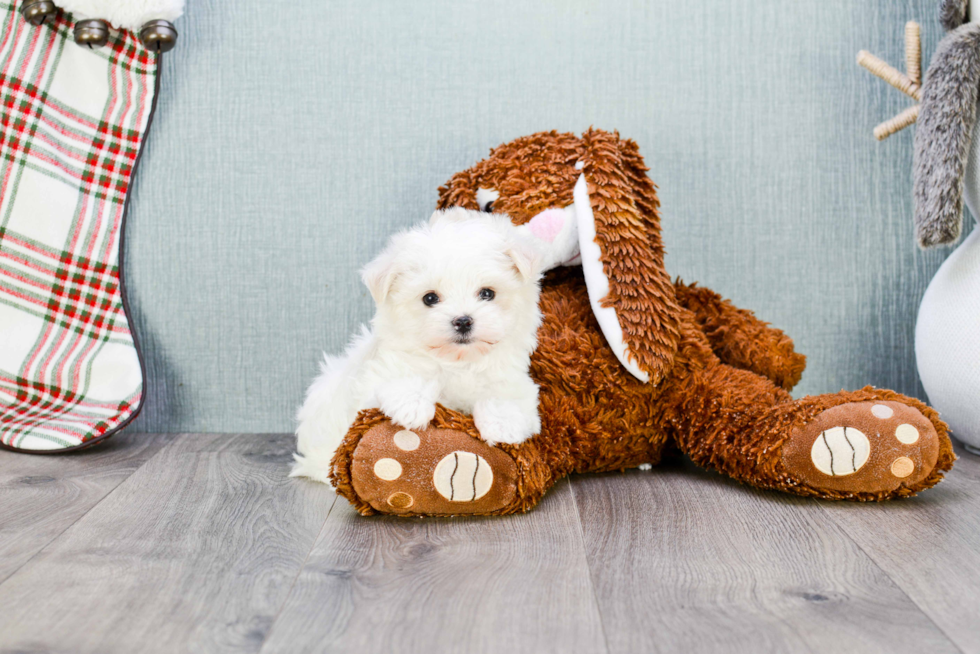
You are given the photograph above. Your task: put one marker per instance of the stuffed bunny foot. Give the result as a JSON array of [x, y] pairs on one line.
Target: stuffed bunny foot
[[431, 472], [864, 447]]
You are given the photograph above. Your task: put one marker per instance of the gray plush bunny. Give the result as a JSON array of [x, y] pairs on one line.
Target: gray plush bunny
[[946, 172], [947, 116]]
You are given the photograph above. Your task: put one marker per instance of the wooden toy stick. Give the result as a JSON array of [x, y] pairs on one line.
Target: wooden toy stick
[[897, 124], [899, 80], [909, 82], [913, 52]]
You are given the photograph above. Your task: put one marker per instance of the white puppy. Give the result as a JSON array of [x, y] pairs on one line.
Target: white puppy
[[456, 322]]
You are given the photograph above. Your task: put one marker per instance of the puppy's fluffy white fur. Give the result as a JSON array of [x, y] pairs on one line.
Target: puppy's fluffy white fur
[[414, 356]]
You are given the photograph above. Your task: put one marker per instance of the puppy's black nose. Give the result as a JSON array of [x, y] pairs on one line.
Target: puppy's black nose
[[462, 324]]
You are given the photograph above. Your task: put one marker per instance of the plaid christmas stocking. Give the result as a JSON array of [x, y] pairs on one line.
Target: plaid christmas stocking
[[72, 124]]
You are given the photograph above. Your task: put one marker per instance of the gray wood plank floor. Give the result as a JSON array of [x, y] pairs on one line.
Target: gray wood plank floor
[[200, 543], [40, 497]]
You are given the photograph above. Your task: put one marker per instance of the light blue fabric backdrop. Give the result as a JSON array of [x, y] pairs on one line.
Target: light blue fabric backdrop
[[292, 138]]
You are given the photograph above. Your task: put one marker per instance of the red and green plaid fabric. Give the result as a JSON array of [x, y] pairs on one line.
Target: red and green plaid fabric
[[72, 122]]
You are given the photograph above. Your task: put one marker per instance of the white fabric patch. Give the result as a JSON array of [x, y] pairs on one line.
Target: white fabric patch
[[44, 210], [484, 196], [596, 281], [407, 440], [907, 434], [882, 411], [81, 82], [19, 332], [387, 469], [115, 373], [35, 440], [840, 451], [463, 477]]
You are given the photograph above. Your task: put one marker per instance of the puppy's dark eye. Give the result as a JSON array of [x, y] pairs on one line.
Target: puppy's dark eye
[[487, 294], [430, 299], [488, 207]]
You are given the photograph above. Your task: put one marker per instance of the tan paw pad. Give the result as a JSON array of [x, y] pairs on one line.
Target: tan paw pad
[[407, 441], [907, 434], [387, 469], [882, 411], [463, 477], [902, 467], [840, 451], [401, 501]]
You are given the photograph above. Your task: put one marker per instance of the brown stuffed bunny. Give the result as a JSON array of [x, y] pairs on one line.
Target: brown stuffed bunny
[[630, 364]]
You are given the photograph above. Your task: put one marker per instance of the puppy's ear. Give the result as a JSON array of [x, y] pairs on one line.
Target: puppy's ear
[[379, 275], [525, 260]]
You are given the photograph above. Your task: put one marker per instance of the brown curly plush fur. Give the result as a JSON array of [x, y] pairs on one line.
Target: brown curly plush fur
[[719, 377], [740, 339]]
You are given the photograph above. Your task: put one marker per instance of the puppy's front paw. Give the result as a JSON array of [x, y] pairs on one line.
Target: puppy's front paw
[[410, 403], [413, 413], [500, 421]]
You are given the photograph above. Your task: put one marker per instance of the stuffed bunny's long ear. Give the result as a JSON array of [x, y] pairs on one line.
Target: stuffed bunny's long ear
[[631, 293]]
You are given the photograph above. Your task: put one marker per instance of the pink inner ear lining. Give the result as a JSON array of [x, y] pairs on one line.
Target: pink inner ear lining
[[548, 224]]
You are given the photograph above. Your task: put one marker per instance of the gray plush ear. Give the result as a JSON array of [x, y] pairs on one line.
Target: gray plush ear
[[952, 13], [942, 136]]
